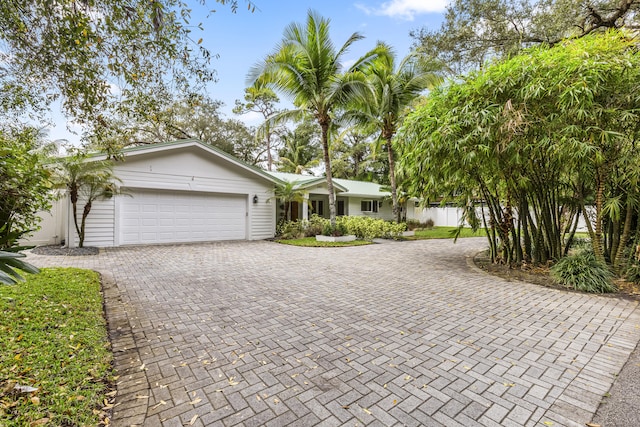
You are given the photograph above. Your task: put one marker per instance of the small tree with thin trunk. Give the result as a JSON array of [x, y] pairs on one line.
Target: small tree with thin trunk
[[86, 182]]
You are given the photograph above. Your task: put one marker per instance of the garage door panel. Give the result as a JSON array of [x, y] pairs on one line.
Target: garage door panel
[[173, 216]]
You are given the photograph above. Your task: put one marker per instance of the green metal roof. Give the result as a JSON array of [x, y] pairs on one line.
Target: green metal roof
[[347, 187]]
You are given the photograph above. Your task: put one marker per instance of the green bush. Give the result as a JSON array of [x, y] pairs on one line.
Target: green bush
[[291, 230], [362, 227], [315, 225], [582, 271], [367, 228], [633, 273]]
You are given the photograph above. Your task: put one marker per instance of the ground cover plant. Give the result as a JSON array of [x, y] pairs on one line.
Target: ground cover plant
[[55, 364], [447, 233], [312, 242]]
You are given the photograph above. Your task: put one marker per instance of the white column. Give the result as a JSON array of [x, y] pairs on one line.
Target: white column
[[305, 207]]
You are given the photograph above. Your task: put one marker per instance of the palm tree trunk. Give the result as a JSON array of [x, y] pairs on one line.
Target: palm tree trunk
[[392, 180], [324, 125]]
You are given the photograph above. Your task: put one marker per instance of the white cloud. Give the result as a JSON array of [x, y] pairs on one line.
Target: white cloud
[[405, 9]]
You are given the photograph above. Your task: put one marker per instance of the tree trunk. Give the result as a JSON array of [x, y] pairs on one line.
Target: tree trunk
[[597, 236], [85, 214], [392, 180], [324, 126], [269, 157], [617, 258]]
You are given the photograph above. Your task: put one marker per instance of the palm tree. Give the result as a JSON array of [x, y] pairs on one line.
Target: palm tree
[[86, 181], [307, 68], [391, 90], [288, 193], [301, 150]]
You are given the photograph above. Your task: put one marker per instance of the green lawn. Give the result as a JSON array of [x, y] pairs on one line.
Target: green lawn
[[53, 337], [312, 242], [446, 233]]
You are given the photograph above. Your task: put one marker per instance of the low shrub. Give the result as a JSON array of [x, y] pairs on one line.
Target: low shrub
[[291, 230], [315, 225], [362, 227], [582, 271], [428, 224], [371, 228]]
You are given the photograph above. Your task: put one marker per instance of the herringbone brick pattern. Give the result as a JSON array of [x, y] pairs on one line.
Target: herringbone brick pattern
[[262, 334]]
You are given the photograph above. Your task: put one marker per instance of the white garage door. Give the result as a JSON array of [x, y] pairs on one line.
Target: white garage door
[[151, 216]]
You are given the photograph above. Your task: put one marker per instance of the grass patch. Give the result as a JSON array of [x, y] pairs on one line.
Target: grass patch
[[53, 337], [312, 242], [446, 233]]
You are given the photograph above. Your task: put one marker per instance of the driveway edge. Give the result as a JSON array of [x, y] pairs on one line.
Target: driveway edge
[[133, 389]]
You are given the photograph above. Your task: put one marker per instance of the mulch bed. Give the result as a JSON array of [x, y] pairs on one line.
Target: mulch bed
[[64, 251], [540, 276]]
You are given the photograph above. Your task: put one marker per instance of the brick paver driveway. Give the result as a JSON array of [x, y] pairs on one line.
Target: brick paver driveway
[[256, 333]]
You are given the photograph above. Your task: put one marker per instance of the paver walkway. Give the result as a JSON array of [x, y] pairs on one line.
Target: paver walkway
[[257, 333]]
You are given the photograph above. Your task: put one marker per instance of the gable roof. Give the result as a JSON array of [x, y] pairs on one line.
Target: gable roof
[[347, 187], [186, 143]]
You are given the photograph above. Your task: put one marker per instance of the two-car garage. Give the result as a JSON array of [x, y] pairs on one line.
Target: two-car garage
[[156, 216]]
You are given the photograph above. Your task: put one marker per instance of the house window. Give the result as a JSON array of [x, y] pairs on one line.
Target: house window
[[317, 206], [369, 206], [340, 207]]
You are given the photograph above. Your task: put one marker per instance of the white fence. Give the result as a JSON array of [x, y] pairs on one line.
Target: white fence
[[450, 216]]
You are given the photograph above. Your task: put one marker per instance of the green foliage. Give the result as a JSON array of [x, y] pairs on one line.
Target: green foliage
[[301, 148], [632, 273], [291, 230], [476, 31], [362, 227], [368, 228], [261, 100], [334, 230], [536, 138], [78, 51], [447, 233], [24, 184], [10, 266], [53, 337], [85, 181], [583, 272]]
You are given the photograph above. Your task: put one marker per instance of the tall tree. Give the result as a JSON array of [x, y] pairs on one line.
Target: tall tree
[[98, 56], [353, 158], [391, 88], [475, 31], [261, 100], [196, 117], [307, 67]]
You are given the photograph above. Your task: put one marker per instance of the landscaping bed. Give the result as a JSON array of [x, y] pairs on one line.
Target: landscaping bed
[[540, 276]]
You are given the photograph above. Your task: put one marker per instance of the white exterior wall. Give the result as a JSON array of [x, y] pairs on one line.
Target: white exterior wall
[[384, 212], [189, 170], [52, 226]]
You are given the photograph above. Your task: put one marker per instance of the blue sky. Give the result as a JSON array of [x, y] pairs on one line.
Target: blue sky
[[244, 38]]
